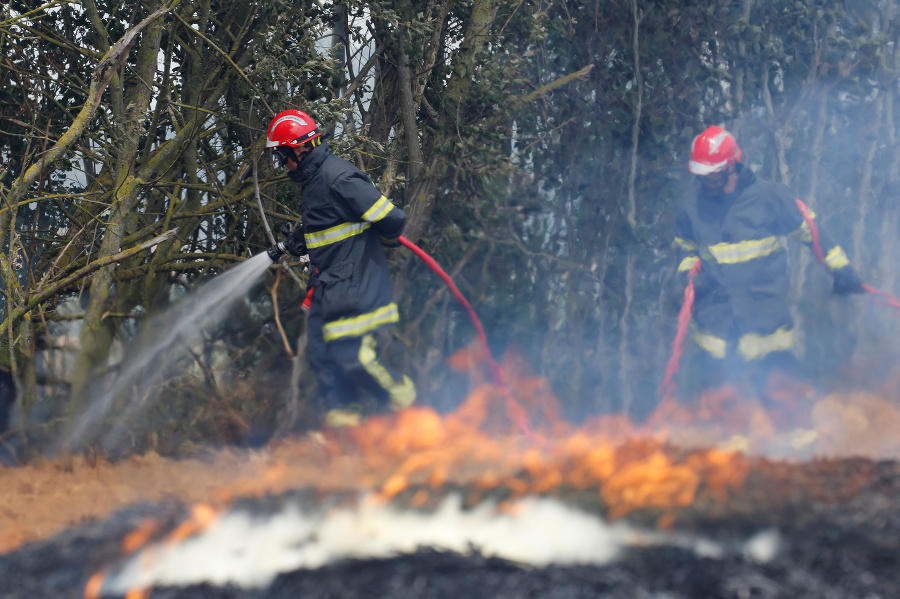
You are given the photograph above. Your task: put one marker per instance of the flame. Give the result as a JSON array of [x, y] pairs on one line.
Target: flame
[[202, 516], [651, 482], [478, 448], [682, 456], [140, 536], [94, 585]]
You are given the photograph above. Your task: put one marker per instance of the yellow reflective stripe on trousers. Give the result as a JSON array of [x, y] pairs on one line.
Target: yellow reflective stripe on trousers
[[716, 346], [754, 347], [686, 245], [403, 392], [362, 324], [836, 258], [744, 251], [687, 263], [378, 210], [334, 234]]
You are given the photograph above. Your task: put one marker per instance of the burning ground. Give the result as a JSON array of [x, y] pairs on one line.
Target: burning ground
[[719, 500]]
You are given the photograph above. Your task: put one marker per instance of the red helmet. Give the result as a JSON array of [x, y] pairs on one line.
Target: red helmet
[[291, 128], [712, 151]]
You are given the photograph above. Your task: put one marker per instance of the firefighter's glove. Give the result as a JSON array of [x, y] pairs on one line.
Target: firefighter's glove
[[704, 284], [293, 243], [390, 242], [846, 281]]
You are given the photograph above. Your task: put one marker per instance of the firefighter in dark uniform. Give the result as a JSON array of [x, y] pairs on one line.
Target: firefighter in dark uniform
[[733, 223], [345, 223]]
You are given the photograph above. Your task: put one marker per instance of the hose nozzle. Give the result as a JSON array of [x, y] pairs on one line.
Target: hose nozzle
[[276, 251]]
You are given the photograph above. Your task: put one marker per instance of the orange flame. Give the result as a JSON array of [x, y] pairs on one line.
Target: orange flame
[[94, 585], [681, 457], [140, 536]]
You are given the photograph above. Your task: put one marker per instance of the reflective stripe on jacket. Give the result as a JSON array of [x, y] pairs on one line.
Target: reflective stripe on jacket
[[344, 219]]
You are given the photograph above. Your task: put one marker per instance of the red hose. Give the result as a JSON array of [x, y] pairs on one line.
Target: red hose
[[667, 388], [813, 231], [888, 298], [515, 410]]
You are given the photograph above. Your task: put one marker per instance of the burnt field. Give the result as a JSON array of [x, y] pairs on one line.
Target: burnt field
[[721, 502], [824, 529]]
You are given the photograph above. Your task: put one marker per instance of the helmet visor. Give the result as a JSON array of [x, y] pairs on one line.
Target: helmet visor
[[284, 153]]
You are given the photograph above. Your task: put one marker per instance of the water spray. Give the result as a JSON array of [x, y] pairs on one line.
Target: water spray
[[165, 340]]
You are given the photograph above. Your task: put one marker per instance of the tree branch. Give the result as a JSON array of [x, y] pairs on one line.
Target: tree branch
[[47, 292]]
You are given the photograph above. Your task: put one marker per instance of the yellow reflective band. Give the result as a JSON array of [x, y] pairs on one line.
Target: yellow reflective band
[[378, 210], [836, 258], [802, 233], [688, 246], [716, 346], [362, 324], [334, 234], [744, 251], [403, 392], [688, 263], [754, 347]]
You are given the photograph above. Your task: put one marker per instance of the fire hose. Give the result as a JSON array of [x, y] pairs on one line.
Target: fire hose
[[888, 298], [667, 388], [513, 408]]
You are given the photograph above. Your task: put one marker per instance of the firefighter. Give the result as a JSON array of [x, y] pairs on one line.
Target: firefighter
[[345, 223], [733, 223]]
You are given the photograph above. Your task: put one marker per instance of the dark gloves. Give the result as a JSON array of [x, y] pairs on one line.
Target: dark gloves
[[390, 242], [705, 284], [293, 244], [846, 281]]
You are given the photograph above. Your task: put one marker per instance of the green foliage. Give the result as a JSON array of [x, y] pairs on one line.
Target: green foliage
[[551, 203]]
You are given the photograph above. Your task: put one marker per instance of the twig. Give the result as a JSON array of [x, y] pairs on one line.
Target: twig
[[287, 345], [51, 290]]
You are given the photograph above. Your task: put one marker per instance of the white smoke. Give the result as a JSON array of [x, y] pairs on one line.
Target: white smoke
[[250, 550]]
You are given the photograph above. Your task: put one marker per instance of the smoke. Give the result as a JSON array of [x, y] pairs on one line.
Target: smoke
[[249, 551]]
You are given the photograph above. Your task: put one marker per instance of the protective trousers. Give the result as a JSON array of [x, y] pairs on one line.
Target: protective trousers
[[348, 367], [748, 351]]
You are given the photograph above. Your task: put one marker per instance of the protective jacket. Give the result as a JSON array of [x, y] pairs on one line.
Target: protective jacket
[[345, 222], [741, 302]]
